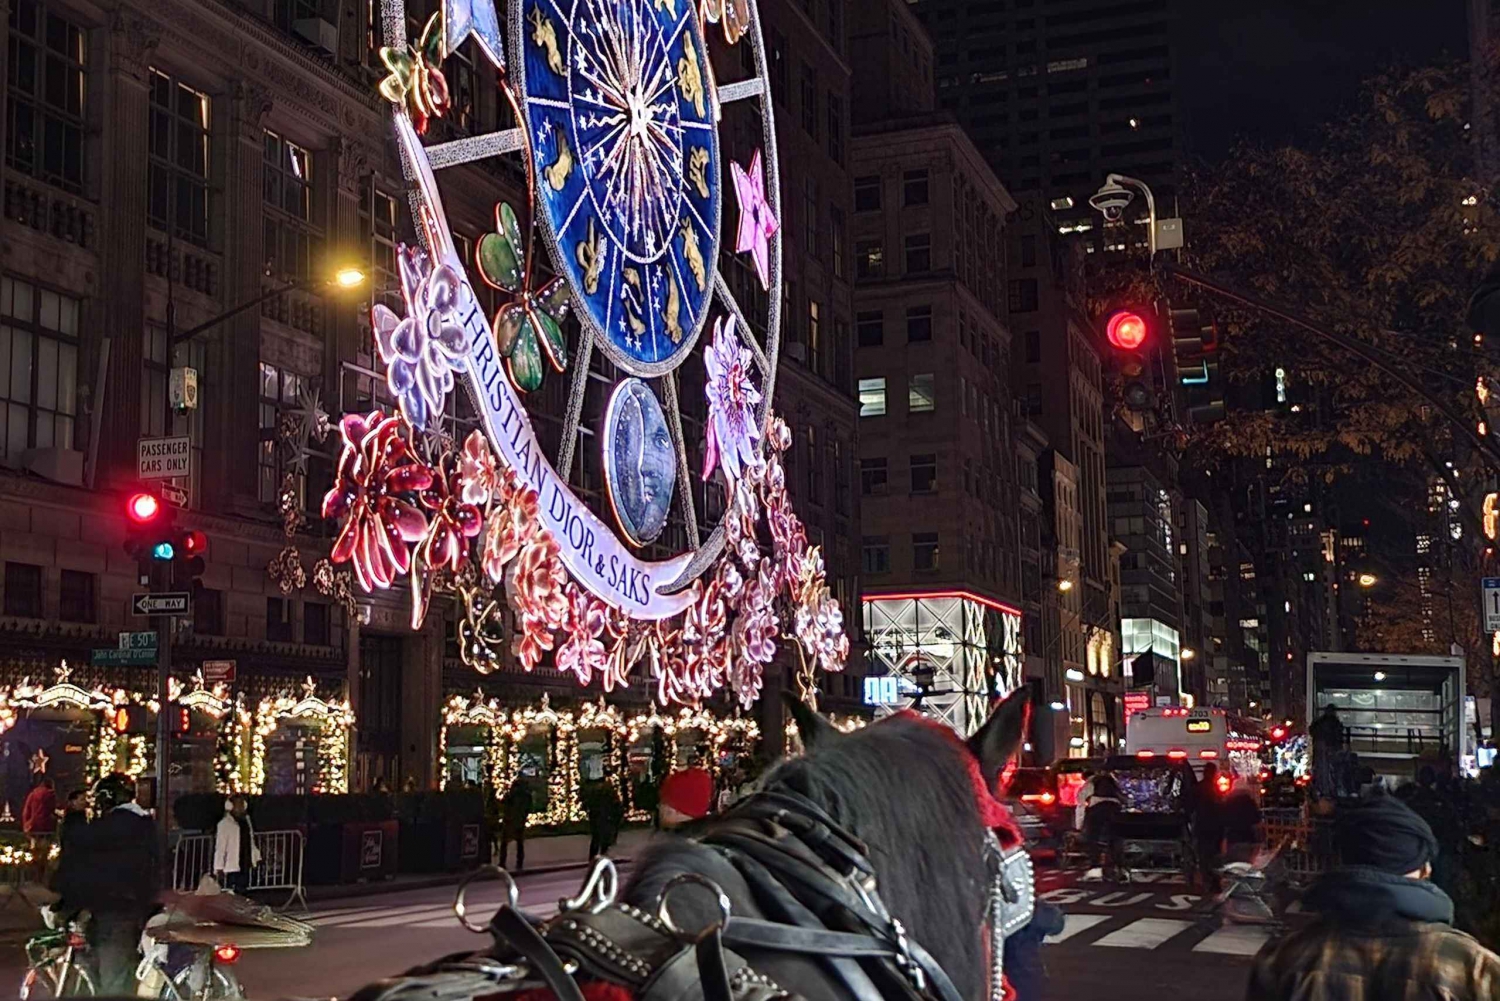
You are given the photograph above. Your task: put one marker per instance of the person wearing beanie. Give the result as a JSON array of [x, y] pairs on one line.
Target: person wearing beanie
[[1383, 931], [686, 795]]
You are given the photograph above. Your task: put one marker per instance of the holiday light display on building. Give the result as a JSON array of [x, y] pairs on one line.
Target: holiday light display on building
[[562, 728], [625, 183]]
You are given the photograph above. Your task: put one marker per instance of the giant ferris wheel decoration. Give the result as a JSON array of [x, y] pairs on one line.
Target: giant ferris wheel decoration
[[618, 110]]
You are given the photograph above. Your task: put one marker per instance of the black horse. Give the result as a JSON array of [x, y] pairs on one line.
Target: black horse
[[922, 801]]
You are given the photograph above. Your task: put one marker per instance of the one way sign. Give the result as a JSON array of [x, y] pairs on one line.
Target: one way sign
[[171, 603]]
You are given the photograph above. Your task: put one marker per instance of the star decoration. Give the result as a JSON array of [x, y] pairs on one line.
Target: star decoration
[[462, 18], [757, 223], [39, 762]]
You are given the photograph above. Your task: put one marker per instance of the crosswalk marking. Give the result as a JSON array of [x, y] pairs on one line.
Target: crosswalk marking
[[1145, 933], [1235, 940], [1075, 923], [370, 912]]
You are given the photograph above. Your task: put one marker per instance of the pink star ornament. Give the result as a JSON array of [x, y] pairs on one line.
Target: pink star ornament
[[757, 223]]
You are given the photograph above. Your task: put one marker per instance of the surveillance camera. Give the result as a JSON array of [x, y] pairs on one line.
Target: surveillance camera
[[1111, 200]]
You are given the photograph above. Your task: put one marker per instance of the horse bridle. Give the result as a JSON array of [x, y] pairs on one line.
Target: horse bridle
[[811, 877]]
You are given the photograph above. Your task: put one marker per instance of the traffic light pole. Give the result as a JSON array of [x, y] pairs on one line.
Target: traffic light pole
[[161, 581]]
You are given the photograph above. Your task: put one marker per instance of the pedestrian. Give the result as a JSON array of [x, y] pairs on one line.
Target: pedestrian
[[235, 851], [1327, 734], [379, 786], [75, 817], [39, 823], [1023, 951], [1208, 827], [605, 813], [686, 796], [1383, 931], [1102, 806], [517, 806], [112, 869]]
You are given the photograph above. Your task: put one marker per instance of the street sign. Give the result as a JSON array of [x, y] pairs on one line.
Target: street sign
[[173, 603], [138, 641], [174, 495], [107, 657], [1491, 587], [163, 458], [215, 671]]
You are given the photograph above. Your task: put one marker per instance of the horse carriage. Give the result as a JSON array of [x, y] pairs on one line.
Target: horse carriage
[[1153, 831]]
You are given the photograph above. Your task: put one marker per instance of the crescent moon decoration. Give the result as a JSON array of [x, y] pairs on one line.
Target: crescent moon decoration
[[619, 113]]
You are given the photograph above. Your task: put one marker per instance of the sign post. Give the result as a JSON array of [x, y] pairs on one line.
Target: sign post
[[1491, 594]]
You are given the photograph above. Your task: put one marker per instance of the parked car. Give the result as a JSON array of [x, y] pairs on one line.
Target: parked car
[[1032, 798]]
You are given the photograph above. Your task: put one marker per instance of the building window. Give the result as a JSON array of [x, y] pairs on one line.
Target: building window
[[458, 70], [278, 620], [1028, 251], [76, 602], [44, 109], [914, 187], [1033, 346], [924, 473], [814, 469], [315, 625], [1022, 295], [815, 345], [840, 479], [921, 394], [836, 127], [178, 173], [287, 189], [810, 213], [38, 368], [208, 612], [869, 259], [924, 551], [866, 194], [843, 359], [810, 100], [875, 554], [873, 477], [870, 328], [836, 239], [23, 590], [378, 212], [777, 64], [289, 12], [918, 323], [872, 397], [277, 389], [918, 253]]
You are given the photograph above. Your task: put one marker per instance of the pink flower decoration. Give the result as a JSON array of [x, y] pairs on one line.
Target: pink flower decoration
[[732, 398], [477, 471], [376, 468]]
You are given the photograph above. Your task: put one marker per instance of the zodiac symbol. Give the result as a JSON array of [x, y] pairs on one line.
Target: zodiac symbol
[[670, 6], [590, 259], [557, 174], [697, 165], [688, 77], [693, 254], [673, 312], [545, 35], [630, 296]]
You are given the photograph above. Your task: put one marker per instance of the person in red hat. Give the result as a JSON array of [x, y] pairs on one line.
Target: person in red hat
[[685, 796]]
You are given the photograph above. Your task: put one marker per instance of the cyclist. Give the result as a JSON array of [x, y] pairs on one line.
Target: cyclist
[[112, 870]]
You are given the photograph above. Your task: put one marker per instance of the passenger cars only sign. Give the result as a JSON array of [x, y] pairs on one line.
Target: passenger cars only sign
[[163, 458]]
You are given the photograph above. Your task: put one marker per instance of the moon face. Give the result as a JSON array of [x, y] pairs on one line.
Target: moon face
[[640, 463]]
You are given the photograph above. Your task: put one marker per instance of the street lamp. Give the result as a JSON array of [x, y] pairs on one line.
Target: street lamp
[[345, 276], [1188, 653], [1368, 580], [348, 277], [1065, 585]]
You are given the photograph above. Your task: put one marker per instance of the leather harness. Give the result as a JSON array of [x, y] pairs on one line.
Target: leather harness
[[811, 877]]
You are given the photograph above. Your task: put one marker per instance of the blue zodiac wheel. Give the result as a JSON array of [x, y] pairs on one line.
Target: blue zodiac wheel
[[620, 109]]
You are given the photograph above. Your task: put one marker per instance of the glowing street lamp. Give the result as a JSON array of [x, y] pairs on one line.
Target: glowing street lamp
[[1368, 580], [348, 277]]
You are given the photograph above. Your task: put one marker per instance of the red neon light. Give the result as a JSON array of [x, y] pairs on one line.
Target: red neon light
[[1208, 754], [1176, 754], [1145, 754], [1223, 783], [1044, 798], [1242, 745], [998, 606]]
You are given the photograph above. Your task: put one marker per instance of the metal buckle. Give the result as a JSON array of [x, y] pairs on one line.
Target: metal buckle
[[599, 889], [664, 912], [460, 905]]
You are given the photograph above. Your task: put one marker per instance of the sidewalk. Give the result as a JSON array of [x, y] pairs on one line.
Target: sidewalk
[[422, 881]]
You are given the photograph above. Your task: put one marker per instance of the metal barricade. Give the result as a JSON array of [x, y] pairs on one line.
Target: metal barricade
[[280, 866], [1306, 843]]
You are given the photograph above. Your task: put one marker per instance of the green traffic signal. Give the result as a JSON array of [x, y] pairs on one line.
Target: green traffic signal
[[163, 551]]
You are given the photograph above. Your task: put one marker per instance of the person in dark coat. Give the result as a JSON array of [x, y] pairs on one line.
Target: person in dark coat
[[1383, 931], [1208, 827], [112, 869], [1327, 735], [1024, 967], [605, 812], [515, 808], [74, 819]]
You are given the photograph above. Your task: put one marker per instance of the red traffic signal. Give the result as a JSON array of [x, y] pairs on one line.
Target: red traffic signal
[[192, 543], [143, 508], [1126, 330], [184, 719]]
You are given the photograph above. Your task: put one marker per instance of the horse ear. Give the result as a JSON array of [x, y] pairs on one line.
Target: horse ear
[[812, 726], [995, 743]]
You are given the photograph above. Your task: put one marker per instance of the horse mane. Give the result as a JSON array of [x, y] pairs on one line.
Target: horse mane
[[907, 788]]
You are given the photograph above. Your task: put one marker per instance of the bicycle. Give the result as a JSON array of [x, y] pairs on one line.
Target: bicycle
[[58, 966], [55, 966]]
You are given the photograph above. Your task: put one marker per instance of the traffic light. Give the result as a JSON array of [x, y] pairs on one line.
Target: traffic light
[[132, 718], [1129, 333], [184, 720], [148, 527], [1195, 356], [192, 547]]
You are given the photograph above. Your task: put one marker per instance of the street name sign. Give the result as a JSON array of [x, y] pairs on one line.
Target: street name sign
[[163, 458], [1491, 587], [215, 671], [138, 641], [107, 657], [171, 603]]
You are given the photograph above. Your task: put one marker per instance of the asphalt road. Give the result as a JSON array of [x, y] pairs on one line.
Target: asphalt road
[[1122, 943]]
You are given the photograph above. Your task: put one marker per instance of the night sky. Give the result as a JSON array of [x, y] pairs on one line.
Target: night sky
[[1272, 70]]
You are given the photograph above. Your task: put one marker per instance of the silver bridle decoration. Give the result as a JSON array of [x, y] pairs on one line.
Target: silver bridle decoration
[[1012, 902]]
